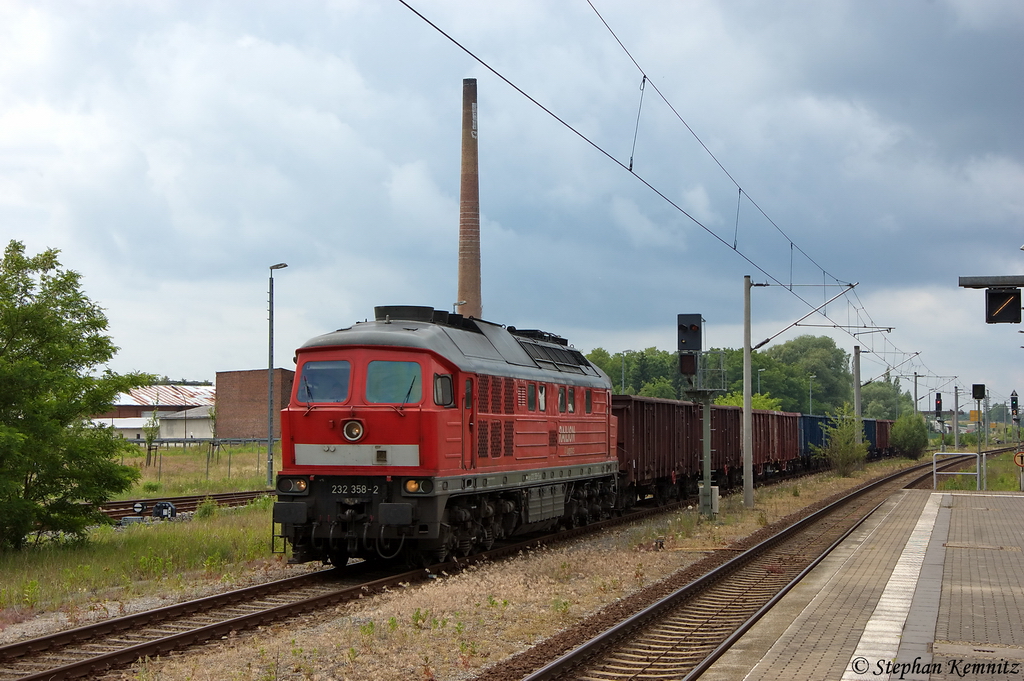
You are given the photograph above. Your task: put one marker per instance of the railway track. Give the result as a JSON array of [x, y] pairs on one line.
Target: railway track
[[187, 504], [88, 651], [681, 634]]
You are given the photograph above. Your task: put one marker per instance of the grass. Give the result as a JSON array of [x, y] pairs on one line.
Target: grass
[[120, 563], [191, 470]]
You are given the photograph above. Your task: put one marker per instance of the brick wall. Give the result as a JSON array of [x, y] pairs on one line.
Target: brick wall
[[242, 402]]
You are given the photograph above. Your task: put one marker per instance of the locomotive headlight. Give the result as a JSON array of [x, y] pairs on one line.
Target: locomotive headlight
[[292, 485], [419, 486], [352, 430]]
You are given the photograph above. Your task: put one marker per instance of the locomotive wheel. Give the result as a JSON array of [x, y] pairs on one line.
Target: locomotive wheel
[[339, 559], [422, 559]]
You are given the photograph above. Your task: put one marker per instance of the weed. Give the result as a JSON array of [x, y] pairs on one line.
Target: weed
[[392, 624], [638, 575], [30, 594], [561, 605], [207, 508], [796, 490], [419, 617], [367, 629], [762, 519]]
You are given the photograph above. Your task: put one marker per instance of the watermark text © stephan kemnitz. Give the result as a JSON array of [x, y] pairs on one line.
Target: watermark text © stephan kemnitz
[[953, 667]]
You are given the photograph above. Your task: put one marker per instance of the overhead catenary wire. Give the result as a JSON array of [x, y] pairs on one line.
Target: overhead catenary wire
[[629, 168]]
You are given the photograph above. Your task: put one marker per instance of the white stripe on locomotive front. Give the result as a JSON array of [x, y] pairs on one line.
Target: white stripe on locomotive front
[[357, 455]]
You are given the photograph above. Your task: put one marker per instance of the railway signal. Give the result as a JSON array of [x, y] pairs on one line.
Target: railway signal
[[689, 336], [1002, 297], [1002, 306], [938, 406], [1013, 406]]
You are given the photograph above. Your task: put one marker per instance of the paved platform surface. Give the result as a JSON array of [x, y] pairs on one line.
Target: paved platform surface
[[931, 587]]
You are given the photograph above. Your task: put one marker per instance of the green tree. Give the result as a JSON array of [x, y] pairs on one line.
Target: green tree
[[659, 387], [757, 401], [817, 356], [151, 429], [883, 399], [782, 381], [845, 447], [617, 367], [910, 435], [600, 358], [56, 467]]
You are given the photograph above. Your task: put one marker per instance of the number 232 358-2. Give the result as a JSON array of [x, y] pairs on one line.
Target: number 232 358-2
[[355, 489]]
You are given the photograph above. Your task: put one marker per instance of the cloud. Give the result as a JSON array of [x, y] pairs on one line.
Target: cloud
[[643, 232]]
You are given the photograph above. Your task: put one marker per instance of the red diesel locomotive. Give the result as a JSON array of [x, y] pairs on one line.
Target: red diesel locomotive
[[428, 434]]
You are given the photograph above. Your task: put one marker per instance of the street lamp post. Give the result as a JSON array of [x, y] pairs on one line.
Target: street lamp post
[[270, 381], [810, 394], [622, 385]]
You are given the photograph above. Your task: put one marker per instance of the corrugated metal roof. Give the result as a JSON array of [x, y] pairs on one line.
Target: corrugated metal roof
[[193, 413], [172, 395]]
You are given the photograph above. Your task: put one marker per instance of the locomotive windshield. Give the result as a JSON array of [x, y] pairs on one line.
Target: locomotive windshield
[[325, 381], [393, 382]]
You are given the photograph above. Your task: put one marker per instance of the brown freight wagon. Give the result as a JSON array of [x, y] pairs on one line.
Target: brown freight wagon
[[660, 445], [883, 438], [776, 442]]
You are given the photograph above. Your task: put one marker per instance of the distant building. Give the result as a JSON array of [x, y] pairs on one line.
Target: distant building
[[241, 405], [131, 411], [195, 422], [129, 427], [162, 399]]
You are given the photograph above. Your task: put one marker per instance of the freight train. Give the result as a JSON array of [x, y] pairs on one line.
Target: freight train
[[425, 434]]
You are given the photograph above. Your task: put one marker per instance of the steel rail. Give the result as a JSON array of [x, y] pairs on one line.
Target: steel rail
[[134, 622], [122, 509], [561, 666], [138, 621]]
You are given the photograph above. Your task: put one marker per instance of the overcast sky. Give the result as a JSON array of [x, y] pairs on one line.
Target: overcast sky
[[173, 151]]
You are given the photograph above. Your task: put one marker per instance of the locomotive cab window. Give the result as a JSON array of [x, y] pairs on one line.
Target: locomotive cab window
[[325, 381], [588, 400], [393, 382], [561, 399], [572, 400], [469, 393], [542, 398], [444, 390], [531, 397]]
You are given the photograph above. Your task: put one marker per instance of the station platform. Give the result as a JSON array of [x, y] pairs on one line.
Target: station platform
[[931, 586]]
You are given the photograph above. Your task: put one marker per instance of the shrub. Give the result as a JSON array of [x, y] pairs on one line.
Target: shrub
[[910, 435], [207, 508], [842, 449]]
